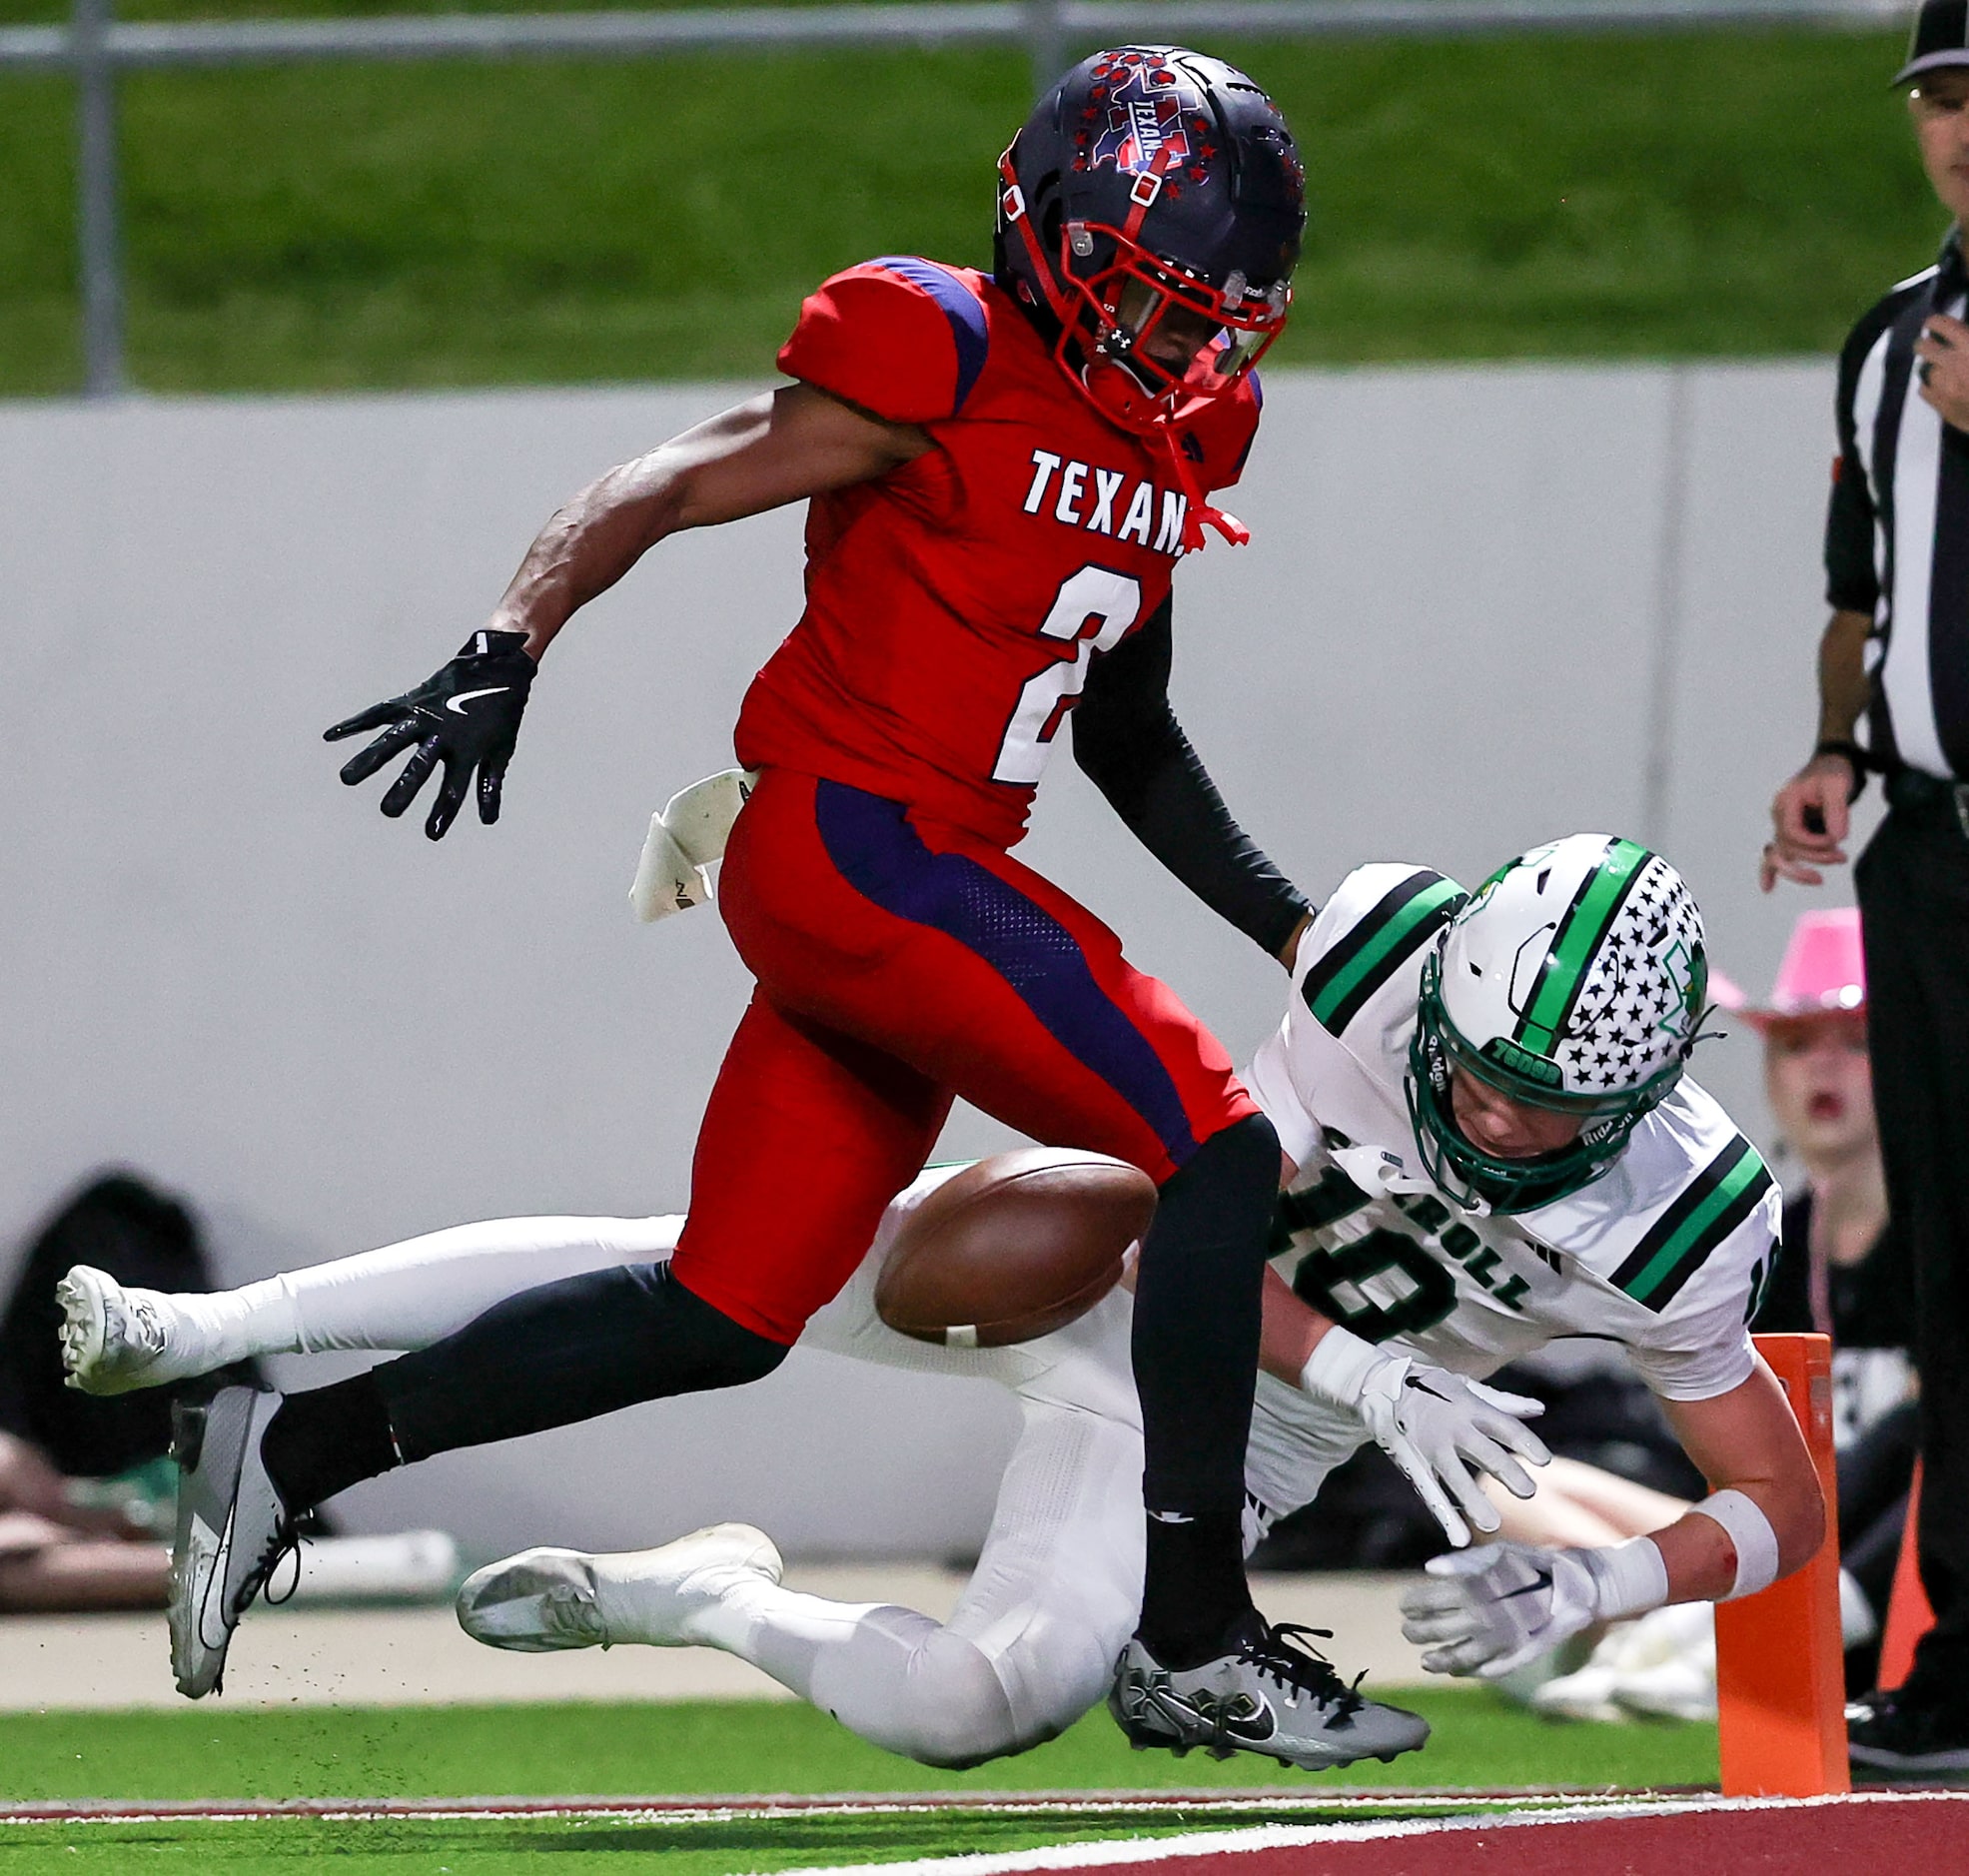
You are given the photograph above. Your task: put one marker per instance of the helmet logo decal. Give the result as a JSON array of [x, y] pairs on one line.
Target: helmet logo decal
[[1679, 965], [1140, 110]]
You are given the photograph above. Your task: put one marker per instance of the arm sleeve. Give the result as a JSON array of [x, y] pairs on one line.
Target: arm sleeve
[[1852, 584], [1126, 739]]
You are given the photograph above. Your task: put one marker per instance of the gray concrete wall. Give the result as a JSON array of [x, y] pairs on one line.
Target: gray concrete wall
[[1482, 608]]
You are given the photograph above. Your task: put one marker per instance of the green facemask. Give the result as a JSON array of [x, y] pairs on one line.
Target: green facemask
[[1465, 1170]]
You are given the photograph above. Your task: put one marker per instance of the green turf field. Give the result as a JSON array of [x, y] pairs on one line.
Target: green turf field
[[699, 1748], [623, 1846], [340, 226], [687, 1750]]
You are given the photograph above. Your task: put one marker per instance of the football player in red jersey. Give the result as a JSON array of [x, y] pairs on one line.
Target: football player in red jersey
[[1002, 472]]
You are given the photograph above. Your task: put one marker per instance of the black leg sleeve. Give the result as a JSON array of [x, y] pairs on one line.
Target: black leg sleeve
[[562, 1352], [1198, 1297]]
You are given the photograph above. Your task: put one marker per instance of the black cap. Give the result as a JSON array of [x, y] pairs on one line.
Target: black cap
[[1940, 37]]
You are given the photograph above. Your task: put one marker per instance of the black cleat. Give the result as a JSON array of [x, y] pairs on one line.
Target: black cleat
[[1904, 1735]]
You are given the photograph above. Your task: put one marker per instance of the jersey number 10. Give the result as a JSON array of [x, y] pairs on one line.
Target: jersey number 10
[[1092, 610]]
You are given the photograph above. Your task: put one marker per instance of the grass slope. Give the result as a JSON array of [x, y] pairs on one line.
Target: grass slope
[[326, 227], [742, 1747]]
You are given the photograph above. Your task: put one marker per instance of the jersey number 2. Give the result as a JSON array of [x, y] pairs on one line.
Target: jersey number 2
[[1092, 610]]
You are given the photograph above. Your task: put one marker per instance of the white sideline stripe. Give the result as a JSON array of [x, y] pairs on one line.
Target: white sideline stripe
[[1290, 1836], [1570, 1809]]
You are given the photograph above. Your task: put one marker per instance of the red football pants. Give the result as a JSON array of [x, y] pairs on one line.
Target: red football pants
[[901, 962]]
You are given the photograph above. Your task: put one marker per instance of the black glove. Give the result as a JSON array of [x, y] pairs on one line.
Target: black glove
[[466, 717]]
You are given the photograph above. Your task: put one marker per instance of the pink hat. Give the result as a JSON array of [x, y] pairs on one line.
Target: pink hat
[[1823, 972]]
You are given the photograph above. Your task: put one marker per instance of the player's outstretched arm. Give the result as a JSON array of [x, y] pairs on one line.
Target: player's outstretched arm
[[1490, 1610], [784, 447], [1745, 1442], [1440, 1430], [1128, 742]]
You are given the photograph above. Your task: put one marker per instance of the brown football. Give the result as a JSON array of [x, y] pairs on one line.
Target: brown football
[[1014, 1247]]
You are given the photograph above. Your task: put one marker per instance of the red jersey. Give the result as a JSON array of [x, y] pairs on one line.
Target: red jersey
[[954, 604]]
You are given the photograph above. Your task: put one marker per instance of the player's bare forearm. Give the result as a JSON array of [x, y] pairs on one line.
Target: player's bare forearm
[[1291, 1331], [1746, 1440], [783, 446]]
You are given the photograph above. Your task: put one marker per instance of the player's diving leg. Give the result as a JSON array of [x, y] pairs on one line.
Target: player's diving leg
[[399, 1298], [1029, 1647], [807, 1138]]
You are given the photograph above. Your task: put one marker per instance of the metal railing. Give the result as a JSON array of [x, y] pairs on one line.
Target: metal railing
[[95, 48]]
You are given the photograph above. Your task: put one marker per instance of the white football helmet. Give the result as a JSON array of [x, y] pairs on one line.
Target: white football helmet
[[1575, 980]]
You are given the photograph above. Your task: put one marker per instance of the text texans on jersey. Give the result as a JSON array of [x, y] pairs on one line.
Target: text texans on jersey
[[1087, 499]]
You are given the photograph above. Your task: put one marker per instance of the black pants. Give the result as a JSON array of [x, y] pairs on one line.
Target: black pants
[[1913, 886]]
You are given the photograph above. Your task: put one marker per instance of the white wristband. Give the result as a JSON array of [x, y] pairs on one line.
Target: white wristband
[[1750, 1531], [1628, 1579], [1339, 1367]]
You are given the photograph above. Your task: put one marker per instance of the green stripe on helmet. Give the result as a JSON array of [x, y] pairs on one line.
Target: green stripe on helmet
[[1388, 940], [1587, 922]]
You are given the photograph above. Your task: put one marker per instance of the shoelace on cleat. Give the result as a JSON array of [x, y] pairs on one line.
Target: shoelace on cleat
[[284, 1543], [1281, 1654]]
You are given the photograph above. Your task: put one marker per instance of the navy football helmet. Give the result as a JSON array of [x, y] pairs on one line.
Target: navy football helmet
[[1149, 218]]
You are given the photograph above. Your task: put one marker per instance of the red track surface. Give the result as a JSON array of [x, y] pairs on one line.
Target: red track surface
[[1922, 1835]]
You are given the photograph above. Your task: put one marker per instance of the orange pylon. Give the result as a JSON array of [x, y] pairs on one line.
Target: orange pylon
[[1780, 1672]]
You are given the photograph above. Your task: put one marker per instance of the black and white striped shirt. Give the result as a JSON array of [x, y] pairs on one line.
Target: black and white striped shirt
[[1897, 534]]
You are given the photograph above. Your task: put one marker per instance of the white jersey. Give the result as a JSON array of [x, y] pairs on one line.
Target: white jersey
[[1665, 1254]]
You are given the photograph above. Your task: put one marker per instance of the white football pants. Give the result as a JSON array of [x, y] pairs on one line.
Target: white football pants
[[1031, 1644]]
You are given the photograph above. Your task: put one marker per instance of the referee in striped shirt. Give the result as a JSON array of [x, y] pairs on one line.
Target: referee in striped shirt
[[1895, 658]]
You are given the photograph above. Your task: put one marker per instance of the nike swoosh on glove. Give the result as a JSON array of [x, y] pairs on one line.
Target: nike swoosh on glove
[[466, 717], [1440, 1428], [1490, 1610]]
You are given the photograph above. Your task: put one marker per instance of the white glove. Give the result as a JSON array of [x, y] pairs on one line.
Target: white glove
[[1491, 1609], [1429, 1421]]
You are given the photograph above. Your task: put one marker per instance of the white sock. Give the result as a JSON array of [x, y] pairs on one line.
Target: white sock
[[404, 1296]]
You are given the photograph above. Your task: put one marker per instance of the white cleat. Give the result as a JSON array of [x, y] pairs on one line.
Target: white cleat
[[546, 1600], [114, 1340]]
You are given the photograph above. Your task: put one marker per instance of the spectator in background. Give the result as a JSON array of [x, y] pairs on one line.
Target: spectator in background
[[1842, 1272], [61, 1551], [1846, 1271], [86, 1487], [1896, 651]]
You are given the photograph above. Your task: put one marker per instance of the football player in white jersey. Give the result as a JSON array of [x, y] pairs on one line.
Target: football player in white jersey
[[1489, 1145], [1495, 1146]]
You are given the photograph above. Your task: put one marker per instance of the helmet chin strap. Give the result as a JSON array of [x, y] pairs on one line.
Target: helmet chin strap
[[1197, 513]]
